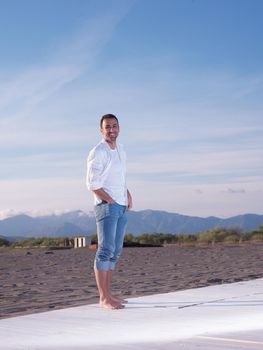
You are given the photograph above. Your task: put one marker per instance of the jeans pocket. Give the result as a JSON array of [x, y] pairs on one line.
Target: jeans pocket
[[102, 211]]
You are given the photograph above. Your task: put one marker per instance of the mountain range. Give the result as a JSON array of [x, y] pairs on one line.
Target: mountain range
[[146, 221]]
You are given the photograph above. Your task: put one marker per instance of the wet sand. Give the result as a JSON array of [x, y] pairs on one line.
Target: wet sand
[[36, 280]]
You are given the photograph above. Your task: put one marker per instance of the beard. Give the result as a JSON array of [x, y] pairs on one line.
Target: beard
[[112, 137]]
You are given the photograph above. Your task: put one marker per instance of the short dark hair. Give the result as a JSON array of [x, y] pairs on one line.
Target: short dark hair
[[108, 116]]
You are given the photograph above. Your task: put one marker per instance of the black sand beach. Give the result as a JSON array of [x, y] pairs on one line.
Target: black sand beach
[[38, 280]]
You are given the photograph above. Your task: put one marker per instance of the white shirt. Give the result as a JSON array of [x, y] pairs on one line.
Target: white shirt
[[106, 168]]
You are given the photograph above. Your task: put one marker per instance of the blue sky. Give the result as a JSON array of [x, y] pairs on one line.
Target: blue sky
[[185, 78]]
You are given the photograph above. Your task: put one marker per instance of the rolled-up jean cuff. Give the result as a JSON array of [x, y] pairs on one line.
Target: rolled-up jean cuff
[[102, 265], [112, 265]]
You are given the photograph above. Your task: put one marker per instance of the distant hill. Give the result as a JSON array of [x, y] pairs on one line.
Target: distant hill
[[72, 223], [161, 221], [78, 223]]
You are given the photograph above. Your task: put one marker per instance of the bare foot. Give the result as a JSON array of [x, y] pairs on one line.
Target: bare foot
[[110, 303], [119, 299]]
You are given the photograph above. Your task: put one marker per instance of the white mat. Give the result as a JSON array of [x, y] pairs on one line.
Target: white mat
[[150, 322]]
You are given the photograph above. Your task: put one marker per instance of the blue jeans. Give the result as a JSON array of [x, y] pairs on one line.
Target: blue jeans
[[111, 223]]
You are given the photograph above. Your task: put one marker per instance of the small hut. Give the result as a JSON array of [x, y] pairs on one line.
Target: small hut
[[81, 241], [77, 242]]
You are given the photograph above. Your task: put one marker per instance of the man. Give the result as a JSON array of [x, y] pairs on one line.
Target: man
[[106, 178]]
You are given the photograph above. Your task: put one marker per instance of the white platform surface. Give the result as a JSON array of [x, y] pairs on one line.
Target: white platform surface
[[228, 316]]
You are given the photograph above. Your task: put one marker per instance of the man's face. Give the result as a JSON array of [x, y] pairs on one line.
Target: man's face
[[110, 129]]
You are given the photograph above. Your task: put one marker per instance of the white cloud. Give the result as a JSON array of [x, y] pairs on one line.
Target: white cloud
[[21, 94], [187, 135], [44, 194], [204, 162], [7, 213], [236, 190], [4, 214], [204, 200], [47, 135]]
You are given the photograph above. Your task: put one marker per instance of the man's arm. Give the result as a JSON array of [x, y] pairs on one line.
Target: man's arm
[[103, 195], [129, 200], [106, 197]]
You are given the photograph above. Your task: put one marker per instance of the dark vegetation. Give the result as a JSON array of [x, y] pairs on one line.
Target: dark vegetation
[[215, 235]]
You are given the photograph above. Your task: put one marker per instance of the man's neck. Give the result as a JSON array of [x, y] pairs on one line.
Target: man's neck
[[112, 144]]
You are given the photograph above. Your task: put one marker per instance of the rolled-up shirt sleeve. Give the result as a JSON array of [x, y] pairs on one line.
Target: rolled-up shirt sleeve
[[94, 171]]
